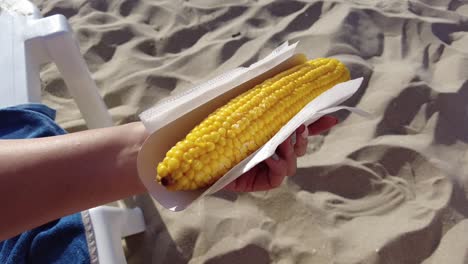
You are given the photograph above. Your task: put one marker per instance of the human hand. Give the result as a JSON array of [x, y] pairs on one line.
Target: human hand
[[271, 172]]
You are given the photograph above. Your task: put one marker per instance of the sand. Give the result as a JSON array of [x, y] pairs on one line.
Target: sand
[[387, 190]]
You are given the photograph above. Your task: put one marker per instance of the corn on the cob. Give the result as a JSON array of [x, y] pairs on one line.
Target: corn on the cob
[[244, 124]]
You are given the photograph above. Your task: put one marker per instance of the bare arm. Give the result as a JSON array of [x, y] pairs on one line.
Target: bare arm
[[47, 178]]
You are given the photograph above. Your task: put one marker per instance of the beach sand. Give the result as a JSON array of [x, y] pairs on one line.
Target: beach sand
[[387, 190]]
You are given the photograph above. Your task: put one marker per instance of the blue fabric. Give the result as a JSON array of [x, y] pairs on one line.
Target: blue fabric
[[59, 241], [28, 121]]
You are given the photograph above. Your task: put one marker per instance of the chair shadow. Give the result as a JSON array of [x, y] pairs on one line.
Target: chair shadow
[[452, 125], [402, 110], [459, 200], [452, 108], [346, 180], [250, 254], [355, 179], [359, 176]]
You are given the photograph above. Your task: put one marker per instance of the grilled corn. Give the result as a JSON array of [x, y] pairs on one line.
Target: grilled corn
[[244, 124]]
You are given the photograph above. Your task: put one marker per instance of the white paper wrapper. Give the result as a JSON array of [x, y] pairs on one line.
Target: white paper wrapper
[[170, 121]]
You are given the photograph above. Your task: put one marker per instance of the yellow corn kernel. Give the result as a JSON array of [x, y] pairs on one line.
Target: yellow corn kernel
[[244, 124]]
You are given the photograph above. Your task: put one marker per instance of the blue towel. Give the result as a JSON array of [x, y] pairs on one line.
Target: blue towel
[[62, 240]]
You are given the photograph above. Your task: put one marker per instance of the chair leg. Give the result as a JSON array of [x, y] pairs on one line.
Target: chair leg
[[110, 225], [56, 37]]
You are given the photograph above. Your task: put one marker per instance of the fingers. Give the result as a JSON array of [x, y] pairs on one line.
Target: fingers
[[322, 125], [300, 148], [250, 181], [271, 173], [281, 164], [277, 171], [286, 153]]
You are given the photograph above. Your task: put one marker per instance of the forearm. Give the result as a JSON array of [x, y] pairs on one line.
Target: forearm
[[47, 178]]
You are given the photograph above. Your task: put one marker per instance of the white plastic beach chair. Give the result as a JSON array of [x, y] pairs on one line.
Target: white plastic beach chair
[[26, 42]]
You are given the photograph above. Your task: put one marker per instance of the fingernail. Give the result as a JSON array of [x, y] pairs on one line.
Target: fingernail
[[275, 157], [293, 139], [305, 133]]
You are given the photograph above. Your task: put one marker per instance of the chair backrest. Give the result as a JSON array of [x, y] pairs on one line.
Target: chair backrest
[[27, 41], [17, 87]]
